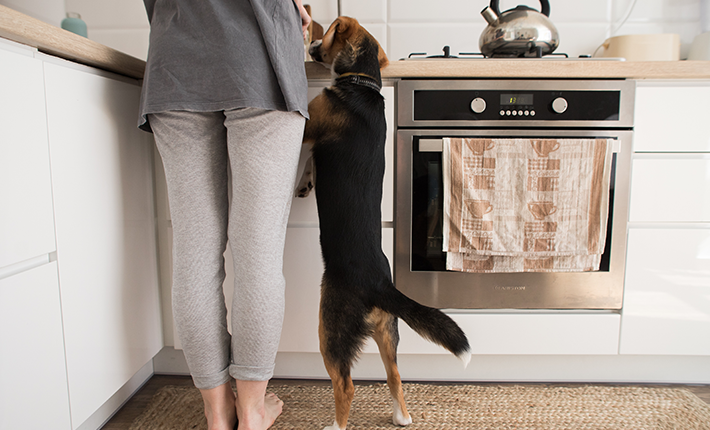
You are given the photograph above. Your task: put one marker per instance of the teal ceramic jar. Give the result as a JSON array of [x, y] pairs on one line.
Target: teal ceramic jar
[[74, 23]]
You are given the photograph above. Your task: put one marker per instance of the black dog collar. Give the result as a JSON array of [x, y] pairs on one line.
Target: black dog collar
[[360, 79]]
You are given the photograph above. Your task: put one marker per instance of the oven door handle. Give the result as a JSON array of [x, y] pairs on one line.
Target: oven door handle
[[437, 145]]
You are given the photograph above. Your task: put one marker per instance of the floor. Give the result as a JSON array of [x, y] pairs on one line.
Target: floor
[[124, 417]]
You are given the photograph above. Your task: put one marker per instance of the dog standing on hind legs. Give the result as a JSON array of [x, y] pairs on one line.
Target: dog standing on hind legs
[[358, 299]]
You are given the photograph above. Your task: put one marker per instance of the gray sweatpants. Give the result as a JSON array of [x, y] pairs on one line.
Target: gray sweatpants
[[262, 149]]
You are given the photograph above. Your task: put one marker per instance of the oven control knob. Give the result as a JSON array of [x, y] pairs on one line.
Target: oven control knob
[[559, 105], [478, 105]]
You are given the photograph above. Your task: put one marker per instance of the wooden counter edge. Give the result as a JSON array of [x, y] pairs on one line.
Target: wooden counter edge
[[53, 40], [540, 69]]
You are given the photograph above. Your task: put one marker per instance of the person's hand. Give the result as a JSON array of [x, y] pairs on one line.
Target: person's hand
[[305, 18]]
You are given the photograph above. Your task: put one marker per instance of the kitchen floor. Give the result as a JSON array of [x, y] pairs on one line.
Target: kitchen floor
[[124, 417]]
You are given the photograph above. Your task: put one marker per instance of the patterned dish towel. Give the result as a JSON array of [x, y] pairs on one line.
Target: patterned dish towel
[[525, 205]]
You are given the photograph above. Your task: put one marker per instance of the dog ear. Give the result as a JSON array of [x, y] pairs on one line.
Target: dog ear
[[382, 57]]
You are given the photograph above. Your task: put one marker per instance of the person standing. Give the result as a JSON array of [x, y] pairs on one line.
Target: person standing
[[225, 91]]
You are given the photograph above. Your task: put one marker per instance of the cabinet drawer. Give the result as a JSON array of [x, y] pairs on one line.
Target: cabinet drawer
[[26, 218], [667, 292], [304, 211], [32, 351], [670, 190], [672, 117]]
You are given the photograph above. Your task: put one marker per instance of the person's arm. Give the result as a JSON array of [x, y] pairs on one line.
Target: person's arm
[[305, 18]]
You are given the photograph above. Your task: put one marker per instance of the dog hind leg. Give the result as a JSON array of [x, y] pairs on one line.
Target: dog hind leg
[[386, 336]]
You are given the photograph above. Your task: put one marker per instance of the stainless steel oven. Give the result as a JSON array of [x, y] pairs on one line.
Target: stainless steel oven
[[429, 110]]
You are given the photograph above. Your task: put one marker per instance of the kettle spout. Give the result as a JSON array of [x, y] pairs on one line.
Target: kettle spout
[[489, 15]]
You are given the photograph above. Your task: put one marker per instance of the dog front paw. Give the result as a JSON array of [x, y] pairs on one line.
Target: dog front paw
[[304, 190]]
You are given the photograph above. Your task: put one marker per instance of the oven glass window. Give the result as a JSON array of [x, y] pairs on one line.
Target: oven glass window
[[428, 205]]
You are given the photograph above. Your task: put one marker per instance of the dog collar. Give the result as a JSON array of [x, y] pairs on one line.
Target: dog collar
[[360, 79]]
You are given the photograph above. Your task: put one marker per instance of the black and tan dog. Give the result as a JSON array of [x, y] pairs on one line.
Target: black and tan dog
[[358, 300]]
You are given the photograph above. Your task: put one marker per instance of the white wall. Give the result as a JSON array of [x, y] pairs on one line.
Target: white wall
[[405, 26], [49, 11]]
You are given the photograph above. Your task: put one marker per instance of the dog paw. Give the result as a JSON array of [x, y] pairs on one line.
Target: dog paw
[[335, 426], [399, 419], [305, 190]]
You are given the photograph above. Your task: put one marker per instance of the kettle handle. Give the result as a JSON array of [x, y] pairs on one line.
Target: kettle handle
[[543, 3]]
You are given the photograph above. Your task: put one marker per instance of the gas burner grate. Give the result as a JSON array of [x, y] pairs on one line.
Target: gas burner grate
[[536, 52]]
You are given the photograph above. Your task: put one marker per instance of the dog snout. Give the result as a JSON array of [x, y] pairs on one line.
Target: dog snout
[[314, 50]]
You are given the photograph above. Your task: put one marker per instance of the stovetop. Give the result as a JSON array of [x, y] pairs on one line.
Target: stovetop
[[446, 54]]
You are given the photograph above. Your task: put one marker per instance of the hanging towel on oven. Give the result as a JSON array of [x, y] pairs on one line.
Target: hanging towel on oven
[[525, 205]]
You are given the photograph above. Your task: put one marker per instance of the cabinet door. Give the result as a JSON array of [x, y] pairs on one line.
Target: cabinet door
[[103, 193], [26, 220], [304, 211], [672, 116], [32, 360], [670, 189], [303, 270], [667, 292]]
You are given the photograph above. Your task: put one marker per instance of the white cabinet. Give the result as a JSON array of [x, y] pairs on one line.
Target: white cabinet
[[26, 220], [667, 298], [105, 227], [33, 379], [672, 116], [303, 264], [670, 189], [666, 309]]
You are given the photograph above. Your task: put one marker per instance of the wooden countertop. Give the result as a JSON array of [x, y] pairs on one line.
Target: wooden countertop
[[535, 68], [55, 41]]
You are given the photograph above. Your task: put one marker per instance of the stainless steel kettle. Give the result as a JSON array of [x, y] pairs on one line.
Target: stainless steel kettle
[[519, 32]]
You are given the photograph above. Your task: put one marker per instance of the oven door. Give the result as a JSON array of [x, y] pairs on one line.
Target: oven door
[[420, 263]]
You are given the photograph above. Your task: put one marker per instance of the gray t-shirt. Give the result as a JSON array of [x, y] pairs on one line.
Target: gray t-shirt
[[213, 55]]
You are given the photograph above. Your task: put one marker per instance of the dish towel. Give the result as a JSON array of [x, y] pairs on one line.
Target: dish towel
[[525, 205]]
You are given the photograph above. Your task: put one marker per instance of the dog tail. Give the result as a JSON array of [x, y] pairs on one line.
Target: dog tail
[[431, 324]]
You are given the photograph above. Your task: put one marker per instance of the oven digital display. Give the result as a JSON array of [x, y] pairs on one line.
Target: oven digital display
[[516, 99]]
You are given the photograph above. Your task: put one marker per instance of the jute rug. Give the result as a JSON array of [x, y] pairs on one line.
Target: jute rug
[[453, 407]]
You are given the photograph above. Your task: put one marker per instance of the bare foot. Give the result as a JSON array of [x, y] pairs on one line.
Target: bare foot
[[219, 407], [256, 413]]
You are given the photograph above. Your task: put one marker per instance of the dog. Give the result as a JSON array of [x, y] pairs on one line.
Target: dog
[[358, 299]]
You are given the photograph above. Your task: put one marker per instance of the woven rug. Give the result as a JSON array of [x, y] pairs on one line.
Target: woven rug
[[453, 407]]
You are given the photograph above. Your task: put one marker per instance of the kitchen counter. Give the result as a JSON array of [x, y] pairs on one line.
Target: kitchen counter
[[535, 68], [55, 41]]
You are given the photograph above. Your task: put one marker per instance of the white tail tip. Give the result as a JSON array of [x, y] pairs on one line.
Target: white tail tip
[[465, 357]]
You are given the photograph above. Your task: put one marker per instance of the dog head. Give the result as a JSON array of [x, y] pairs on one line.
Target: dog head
[[347, 47]]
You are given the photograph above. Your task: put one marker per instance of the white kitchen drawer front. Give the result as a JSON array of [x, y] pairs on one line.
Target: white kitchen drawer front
[[105, 223], [303, 270], [26, 219], [32, 362], [667, 292], [672, 116], [525, 334], [670, 190], [304, 211]]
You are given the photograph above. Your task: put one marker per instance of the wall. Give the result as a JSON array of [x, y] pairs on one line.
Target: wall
[[405, 26], [49, 11]]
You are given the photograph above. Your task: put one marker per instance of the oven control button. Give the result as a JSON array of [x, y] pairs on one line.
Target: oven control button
[[507, 112], [478, 105], [527, 113], [502, 113], [532, 113], [559, 105]]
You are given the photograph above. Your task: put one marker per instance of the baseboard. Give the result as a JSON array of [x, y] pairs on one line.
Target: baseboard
[[489, 368], [115, 402]]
